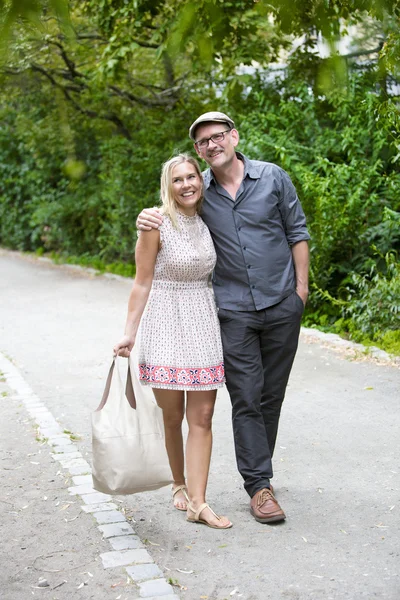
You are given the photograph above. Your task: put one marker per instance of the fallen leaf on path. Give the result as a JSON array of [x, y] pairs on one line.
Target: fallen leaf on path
[[59, 585], [368, 388], [233, 592], [303, 538], [81, 585], [186, 572]]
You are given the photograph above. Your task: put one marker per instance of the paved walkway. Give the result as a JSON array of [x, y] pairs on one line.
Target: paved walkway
[[336, 469]]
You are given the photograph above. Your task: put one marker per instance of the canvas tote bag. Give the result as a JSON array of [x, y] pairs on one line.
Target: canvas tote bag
[[128, 442]]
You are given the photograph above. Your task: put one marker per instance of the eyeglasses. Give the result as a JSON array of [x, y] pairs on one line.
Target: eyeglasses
[[215, 139]]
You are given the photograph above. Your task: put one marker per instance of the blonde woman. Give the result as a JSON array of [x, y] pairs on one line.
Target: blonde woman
[[180, 351]]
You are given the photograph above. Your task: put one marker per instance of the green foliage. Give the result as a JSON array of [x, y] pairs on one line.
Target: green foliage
[[342, 161], [86, 121], [342, 152], [92, 262], [374, 299]]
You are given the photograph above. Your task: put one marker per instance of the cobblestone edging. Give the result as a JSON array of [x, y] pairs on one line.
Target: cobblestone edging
[[127, 549], [358, 350]]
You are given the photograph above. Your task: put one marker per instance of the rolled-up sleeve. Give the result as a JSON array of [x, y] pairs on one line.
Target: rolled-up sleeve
[[293, 217]]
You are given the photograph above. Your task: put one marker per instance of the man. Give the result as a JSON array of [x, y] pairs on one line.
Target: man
[[261, 287]]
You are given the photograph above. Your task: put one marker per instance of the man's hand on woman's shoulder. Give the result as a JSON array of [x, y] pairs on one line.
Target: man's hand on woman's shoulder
[[149, 218]]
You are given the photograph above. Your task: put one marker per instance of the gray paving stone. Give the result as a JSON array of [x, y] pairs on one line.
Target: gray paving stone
[[29, 402], [78, 490], [109, 516], [155, 587], [36, 409], [167, 597], [66, 456], [78, 470], [125, 557], [44, 416], [115, 529], [29, 398], [66, 449], [143, 572], [82, 479], [47, 432], [126, 542], [95, 498], [59, 440], [72, 463], [46, 421], [92, 508]]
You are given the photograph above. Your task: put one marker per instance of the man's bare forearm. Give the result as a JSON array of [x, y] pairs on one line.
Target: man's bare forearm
[[301, 259]]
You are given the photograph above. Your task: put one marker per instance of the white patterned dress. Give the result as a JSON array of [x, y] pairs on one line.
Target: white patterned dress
[[179, 337]]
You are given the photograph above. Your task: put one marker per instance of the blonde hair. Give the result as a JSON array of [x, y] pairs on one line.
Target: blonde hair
[[168, 202]]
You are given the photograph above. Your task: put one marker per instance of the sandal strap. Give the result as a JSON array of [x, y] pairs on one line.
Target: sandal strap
[[181, 488], [200, 510]]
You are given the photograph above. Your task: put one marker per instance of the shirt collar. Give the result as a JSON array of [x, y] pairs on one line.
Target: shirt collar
[[250, 169]]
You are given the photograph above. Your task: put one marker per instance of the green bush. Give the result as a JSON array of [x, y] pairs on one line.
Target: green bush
[[71, 185], [373, 305]]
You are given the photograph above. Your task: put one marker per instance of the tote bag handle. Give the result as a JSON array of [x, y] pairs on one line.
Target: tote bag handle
[[129, 392]]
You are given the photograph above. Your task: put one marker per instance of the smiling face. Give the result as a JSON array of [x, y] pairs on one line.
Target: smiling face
[[217, 154], [187, 187]]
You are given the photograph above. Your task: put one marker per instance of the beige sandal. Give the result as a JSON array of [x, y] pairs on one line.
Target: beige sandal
[[197, 519], [183, 489]]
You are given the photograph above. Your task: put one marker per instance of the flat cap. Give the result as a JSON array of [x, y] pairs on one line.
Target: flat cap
[[210, 117]]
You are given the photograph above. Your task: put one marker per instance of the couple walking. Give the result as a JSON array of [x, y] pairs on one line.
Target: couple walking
[[252, 238]]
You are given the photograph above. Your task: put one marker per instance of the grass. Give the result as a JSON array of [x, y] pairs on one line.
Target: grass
[[72, 436], [91, 262], [388, 340]]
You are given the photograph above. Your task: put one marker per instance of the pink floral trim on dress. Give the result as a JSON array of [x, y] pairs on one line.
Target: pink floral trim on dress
[[174, 376]]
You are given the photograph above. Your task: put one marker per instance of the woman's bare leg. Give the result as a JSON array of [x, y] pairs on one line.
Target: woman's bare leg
[[199, 413], [172, 403]]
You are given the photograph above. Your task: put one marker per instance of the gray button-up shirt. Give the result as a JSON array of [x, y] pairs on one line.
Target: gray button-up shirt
[[253, 235]]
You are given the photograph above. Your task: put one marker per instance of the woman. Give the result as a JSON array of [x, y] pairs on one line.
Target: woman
[[179, 344]]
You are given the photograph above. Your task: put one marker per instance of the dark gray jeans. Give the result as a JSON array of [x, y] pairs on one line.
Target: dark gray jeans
[[259, 349]]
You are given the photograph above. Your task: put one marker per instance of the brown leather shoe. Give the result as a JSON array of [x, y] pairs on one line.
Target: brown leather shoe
[[265, 508]]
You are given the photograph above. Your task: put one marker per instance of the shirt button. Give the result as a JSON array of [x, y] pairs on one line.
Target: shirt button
[[239, 228], [253, 287], [249, 266], [244, 248]]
